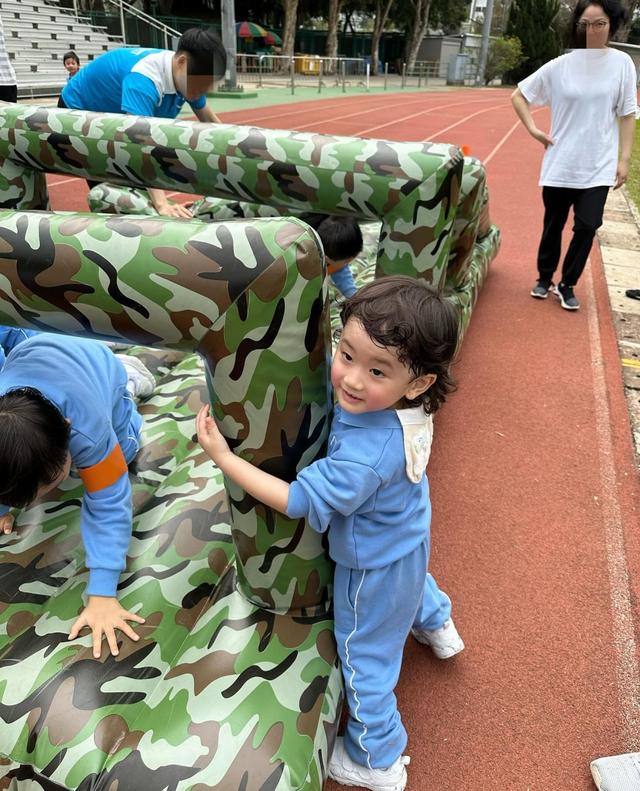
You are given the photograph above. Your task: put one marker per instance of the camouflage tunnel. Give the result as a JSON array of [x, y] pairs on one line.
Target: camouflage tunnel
[[235, 683]]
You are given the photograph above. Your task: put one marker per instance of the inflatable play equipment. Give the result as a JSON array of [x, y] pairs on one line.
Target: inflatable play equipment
[[235, 682]]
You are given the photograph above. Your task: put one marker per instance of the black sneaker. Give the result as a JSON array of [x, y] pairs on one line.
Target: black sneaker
[[541, 289], [567, 297]]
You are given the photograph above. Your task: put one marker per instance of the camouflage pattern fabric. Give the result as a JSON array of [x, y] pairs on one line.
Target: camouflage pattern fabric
[[235, 683], [466, 269], [412, 188]]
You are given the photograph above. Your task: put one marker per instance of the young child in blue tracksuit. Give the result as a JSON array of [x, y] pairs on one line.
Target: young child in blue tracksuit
[[66, 401], [390, 374]]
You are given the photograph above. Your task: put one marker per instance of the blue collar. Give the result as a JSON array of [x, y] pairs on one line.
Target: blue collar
[[384, 418]]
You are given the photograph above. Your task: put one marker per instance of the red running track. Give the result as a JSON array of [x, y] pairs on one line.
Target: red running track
[[534, 488]]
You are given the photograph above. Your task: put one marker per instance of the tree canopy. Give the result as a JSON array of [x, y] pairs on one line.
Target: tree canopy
[[536, 24]]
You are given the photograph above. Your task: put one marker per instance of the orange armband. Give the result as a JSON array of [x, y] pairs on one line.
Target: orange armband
[[105, 472], [336, 267]]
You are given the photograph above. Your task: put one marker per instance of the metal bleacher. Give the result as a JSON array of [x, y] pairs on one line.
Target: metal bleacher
[[38, 33]]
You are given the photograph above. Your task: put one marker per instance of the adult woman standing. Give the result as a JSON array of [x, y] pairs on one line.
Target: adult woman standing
[[586, 153]]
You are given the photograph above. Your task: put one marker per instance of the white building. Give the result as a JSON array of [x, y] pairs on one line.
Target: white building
[[477, 9]]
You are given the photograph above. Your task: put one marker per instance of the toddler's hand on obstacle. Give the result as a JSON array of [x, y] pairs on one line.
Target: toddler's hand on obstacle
[[209, 436], [103, 615], [6, 523], [176, 210]]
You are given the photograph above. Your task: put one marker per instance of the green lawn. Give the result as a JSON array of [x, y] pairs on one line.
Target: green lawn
[[633, 182]]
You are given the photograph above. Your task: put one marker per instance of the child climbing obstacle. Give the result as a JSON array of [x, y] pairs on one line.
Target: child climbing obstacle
[[69, 402], [391, 372]]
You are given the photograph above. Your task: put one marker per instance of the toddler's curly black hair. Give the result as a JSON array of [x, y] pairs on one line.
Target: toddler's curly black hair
[[421, 325]]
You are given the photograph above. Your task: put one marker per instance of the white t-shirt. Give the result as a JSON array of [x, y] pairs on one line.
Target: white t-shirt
[[586, 89]]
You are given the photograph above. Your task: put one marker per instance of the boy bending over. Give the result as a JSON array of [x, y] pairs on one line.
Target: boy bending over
[[69, 402], [390, 373]]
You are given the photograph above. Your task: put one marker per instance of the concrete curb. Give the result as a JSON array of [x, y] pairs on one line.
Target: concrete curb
[[619, 239]]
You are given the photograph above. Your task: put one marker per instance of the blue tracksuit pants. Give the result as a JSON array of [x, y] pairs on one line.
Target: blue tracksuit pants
[[374, 612]]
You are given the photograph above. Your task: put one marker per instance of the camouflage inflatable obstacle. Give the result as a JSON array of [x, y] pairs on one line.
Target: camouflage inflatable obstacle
[[234, 684]]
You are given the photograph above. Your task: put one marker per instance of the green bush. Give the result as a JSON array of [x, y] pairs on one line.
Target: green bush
[[505, 54]]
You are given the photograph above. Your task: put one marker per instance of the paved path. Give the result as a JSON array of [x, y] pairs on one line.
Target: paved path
[[620, 247]]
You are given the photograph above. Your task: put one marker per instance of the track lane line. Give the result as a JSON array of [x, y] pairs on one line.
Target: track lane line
[[499, 145], [462, 121], [389, 106], [622, 627], [335, 104], [409, 117]]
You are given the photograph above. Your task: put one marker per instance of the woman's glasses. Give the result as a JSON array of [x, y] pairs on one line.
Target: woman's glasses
[[599, 24]]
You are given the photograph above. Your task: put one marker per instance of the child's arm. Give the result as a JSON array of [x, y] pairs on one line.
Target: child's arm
[[105, 524], [343, 280], [259, 484]]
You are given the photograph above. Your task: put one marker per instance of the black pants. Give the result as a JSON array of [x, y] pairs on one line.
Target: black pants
[[8, 93], [588, 207]]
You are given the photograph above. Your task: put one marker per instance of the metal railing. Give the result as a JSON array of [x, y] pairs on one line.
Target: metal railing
[[164, 29], [266, 70], [420, 73]]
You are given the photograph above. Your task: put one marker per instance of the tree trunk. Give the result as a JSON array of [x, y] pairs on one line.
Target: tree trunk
[[289, 29], [331, 50], [418, 31], [623, 32], [381, 19]]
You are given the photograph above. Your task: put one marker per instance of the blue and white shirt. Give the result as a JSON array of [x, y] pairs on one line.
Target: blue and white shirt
[[133, 81], [362, 491]]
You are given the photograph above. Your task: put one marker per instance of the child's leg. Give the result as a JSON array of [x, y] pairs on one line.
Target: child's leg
[[433, 624], [435, 608], [374, 610]]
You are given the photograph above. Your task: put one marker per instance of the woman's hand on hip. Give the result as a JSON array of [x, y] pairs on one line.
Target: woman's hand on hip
[[622, 174], [542, 137]]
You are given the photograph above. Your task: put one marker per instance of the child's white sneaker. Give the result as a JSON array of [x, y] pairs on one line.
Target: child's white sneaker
[[140, 381], [445, 642], [348, 773], [617, 772]]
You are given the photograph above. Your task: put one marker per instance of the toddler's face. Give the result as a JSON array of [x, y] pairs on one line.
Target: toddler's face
[[367, 377], [71, 66]]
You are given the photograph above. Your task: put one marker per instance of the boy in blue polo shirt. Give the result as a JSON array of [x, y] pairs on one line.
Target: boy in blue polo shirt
[[390, 373], [152, 82]]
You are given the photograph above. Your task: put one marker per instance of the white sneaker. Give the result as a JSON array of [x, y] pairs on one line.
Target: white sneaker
[[140, 381], [445, 642], [617, 772], [348, 773]]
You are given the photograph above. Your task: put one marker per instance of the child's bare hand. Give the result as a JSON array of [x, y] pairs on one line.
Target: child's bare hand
[[103, 615], [6, 523], [209, 436]]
